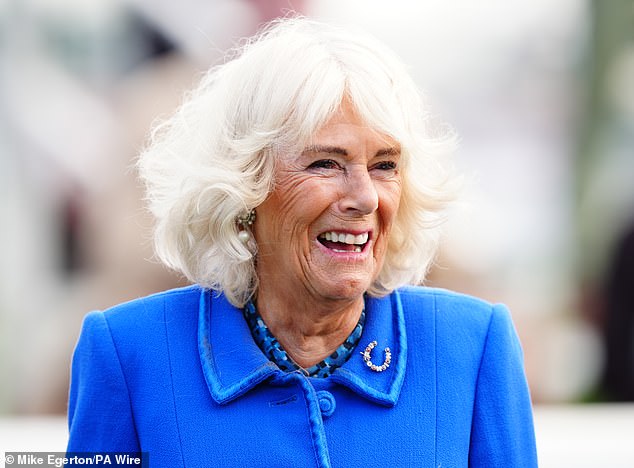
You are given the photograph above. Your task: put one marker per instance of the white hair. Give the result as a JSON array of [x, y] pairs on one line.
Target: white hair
[[214, 159]]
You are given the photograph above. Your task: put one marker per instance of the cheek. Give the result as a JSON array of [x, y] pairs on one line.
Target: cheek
[[305, 197], [390, 202], [291, 208]]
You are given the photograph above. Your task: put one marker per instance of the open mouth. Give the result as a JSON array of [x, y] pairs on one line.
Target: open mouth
[[343, 242]]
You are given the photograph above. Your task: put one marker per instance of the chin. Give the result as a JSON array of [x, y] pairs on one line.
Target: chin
[[344, 288]]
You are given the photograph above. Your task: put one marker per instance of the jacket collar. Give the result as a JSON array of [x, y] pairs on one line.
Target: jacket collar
[[233, 364]]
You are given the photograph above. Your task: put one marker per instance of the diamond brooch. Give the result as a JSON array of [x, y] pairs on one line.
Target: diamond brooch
[[368, 358]]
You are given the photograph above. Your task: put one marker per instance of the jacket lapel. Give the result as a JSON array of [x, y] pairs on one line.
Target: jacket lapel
[[385, 325], [231, 361], [233, 364]]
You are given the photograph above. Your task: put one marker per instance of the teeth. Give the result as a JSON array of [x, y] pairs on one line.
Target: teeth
[[346, 238], [361, 238], [357, 248]]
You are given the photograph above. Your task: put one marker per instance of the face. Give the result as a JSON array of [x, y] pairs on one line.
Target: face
[[324, 229]]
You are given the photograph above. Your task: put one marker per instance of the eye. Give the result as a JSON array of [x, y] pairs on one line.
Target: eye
[[386, 166], [324, 164]]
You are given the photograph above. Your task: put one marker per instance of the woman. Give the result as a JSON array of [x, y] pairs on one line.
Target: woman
[[299, 189]]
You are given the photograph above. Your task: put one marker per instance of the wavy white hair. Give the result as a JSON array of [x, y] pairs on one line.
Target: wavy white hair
[[214, 159]]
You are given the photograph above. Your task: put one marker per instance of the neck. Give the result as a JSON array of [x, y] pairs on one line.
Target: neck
[[309, 331]]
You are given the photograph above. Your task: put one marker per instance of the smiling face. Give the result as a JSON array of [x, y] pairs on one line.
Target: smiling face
[[323, 231]]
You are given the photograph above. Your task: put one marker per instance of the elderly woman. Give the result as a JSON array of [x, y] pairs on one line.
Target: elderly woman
[[300, 190]]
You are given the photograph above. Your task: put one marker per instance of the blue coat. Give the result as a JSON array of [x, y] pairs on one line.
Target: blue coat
[[178, 375]]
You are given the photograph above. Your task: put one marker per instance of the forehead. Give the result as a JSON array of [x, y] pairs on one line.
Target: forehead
[[347, 129]]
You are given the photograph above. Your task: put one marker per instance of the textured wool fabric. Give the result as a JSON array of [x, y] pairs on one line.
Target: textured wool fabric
[[178, 375]]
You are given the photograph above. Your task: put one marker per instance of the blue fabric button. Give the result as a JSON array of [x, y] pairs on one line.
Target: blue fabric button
[[327, 403]]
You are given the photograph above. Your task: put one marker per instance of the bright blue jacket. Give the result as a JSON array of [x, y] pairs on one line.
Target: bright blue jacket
[[177, 374]]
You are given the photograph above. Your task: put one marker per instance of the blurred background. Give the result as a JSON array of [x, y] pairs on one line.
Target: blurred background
[[541, 94]]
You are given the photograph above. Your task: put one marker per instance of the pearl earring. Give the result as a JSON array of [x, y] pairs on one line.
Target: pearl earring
[[246, 221], [244, 236]]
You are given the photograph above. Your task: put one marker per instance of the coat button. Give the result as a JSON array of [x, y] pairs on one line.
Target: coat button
[[327, 403]]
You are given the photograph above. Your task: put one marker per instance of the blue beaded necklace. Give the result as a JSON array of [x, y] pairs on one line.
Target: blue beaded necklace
[[273, 350]]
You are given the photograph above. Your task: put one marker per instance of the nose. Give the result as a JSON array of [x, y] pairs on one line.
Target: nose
[[359, 192]]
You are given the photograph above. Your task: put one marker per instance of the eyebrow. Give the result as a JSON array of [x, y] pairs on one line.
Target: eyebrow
[[325, 149], [391, 151]]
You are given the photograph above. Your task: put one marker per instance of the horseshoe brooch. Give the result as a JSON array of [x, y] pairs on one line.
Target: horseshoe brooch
[[368, 358]]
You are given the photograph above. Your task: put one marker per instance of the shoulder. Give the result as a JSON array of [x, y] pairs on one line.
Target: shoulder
[[137, 339], [135, 319], [444, 303], [158, 306], [467, 335], [189, 295], [440, 296], [455, 315]]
